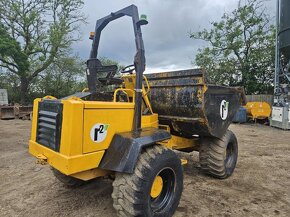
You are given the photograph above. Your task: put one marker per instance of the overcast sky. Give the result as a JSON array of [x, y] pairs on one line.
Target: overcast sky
[[166, 37]]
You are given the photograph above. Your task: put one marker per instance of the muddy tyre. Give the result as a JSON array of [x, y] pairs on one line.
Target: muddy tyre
[[218, 157], [68, 181], [154, 188]]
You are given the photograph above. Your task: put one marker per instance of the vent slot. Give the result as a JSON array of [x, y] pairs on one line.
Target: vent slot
[[49, 124]]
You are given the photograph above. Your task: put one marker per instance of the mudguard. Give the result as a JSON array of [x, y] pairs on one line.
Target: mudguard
[[123, 152]]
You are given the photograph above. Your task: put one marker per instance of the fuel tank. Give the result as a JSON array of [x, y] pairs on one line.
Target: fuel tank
[[258, 110]]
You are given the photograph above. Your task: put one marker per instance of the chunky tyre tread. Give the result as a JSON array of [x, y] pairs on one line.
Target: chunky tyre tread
[[212, 157], [125, 198], [128, 196]]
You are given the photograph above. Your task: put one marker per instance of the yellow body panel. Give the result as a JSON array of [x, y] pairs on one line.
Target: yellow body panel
[[65, 164], [72, 128], [117, 119], [129, 81], [79, 156], [107, 105], [90, 174], [149, 121], [34, 119]]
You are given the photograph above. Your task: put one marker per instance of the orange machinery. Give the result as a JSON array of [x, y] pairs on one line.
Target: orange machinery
[[258, 110]]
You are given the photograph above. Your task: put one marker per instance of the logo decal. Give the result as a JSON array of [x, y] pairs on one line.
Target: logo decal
[[224, 109], [99, 132]]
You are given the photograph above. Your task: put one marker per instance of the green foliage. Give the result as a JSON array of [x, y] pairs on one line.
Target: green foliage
[[11, 49], [62, 78], [106, 62], [35, 41], [34, 33], [241, 49]]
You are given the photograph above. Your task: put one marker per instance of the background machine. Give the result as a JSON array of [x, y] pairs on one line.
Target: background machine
[[281, 109]]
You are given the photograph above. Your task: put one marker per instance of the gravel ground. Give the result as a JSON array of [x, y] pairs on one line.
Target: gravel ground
[[260, 185]]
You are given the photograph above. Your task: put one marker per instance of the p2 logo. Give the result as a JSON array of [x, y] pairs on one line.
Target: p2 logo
[[99, 132]]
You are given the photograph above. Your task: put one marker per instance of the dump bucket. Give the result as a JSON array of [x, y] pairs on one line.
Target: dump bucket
[[7, 112], [258, 110], [189, 106]]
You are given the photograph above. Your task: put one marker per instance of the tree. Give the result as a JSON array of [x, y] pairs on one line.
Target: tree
[[107, 62], [241, 48], [62, 78], [10, 81], [34, 33], [65, 76]]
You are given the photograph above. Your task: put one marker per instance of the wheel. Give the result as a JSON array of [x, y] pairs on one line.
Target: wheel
[[218, 157], [68, 181], [154, 188]]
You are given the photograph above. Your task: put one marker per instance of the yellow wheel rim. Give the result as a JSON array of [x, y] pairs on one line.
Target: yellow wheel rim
[[156, 187]]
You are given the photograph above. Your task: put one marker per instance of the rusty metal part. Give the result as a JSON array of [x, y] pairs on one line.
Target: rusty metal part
[[41, 159], [183, 161], [7, 112], [24, 112], [189, 106]]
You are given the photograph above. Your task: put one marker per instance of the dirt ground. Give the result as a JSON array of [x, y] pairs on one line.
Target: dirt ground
[[260, 185]]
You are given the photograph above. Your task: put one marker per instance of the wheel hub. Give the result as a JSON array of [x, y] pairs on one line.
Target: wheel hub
[[157, 186]]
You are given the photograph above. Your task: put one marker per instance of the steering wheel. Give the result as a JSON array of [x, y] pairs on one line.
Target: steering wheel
[[128, 69]]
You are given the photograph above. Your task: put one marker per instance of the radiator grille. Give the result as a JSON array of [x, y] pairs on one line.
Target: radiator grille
[[49, 124]]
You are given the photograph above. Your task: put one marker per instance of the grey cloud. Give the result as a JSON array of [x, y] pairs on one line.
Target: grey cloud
[[166, 37]]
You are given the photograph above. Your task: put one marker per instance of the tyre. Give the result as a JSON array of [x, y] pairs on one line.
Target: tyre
[[154, 188], [218, 157], [68, 181]]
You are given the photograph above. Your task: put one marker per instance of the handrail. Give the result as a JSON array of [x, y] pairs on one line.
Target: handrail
[[124, 91], [147, 84], [85, 90], [49, 97]]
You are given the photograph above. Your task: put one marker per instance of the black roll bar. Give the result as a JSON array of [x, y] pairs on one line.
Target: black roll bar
[[139, 59]]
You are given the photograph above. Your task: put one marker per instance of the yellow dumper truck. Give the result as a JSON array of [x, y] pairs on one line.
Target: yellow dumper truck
[[129, 132]]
